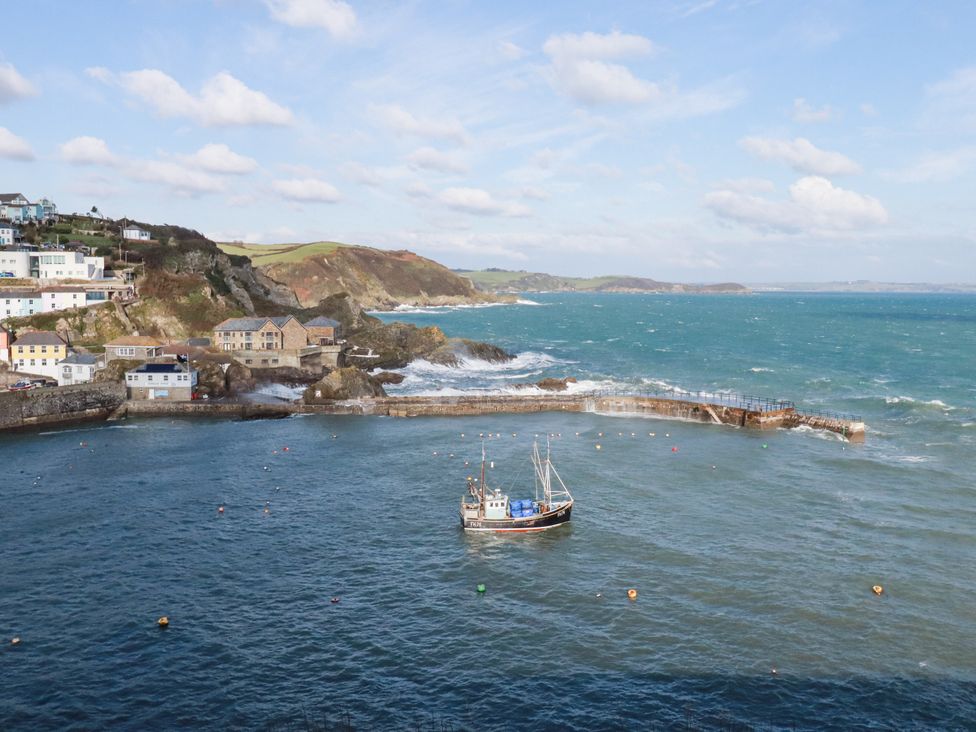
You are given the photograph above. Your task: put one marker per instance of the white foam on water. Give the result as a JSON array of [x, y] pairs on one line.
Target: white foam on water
[[280, 391], [921, 402], [761, 370], [912, 458], [521, 301]]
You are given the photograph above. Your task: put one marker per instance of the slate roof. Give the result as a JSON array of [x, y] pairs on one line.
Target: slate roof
[[39, 338], [144, 341], [160, 368], [249, 324], [82, 359], [322, 322], [8, 197], [241, 324]]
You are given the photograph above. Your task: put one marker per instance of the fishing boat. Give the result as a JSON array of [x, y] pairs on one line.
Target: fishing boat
[[488, 509]]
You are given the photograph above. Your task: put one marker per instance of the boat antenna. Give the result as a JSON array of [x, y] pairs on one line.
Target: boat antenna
[[482, 472]]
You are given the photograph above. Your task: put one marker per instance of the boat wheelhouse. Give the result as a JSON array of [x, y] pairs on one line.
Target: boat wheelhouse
[[488, 509]]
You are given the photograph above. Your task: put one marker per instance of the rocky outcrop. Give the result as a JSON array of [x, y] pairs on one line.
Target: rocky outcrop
[[388, 377], [345, 383], [552, 384], [457, 350]]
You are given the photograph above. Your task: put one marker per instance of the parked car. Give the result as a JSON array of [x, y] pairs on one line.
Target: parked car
[[20, 386]]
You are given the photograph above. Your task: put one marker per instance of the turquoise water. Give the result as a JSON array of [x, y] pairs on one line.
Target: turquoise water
[[749, 551]]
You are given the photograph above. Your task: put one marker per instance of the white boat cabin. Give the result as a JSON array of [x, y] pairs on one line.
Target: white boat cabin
[[496, 506]]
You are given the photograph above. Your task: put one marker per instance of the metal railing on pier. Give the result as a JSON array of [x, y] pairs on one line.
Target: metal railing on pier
[[828, 415]]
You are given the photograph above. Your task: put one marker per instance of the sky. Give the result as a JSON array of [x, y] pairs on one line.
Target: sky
[[684, 140]]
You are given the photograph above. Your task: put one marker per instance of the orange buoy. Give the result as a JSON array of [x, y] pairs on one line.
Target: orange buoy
[[285, 449], [632, 594], [674, 449], [877, 589], [163, 622]]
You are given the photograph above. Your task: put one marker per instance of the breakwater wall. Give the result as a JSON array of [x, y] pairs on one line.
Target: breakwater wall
[[34, 407], [754, 414], [92, 401]]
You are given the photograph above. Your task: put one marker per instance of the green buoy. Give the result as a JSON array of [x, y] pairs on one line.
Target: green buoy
[[481, 588]]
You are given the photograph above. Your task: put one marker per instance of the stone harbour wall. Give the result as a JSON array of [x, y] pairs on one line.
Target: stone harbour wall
[[32, 407]]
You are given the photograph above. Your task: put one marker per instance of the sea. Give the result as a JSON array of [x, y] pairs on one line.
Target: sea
[[336, 590]]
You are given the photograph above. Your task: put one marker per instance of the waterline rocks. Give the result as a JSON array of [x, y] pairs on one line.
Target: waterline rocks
[[343, 384]]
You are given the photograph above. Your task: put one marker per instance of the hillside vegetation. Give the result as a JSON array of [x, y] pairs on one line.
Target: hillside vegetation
[[374, 278], [507, 281]]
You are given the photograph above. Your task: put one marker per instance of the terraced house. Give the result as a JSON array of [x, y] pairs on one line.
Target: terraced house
[[283, 333], [38, 352]]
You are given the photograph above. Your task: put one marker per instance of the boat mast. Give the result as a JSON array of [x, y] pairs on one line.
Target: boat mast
[[481, 503]]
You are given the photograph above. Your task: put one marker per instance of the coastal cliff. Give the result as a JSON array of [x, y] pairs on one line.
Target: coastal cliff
[[376, 279]]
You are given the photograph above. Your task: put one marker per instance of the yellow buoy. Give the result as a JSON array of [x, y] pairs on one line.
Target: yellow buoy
[[877, 589], [599, 447], [163, 622], [632, 594]]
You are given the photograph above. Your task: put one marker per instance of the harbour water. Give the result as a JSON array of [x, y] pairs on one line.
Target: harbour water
[[751, 552]]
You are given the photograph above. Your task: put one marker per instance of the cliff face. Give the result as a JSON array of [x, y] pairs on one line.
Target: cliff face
[[373, 278]]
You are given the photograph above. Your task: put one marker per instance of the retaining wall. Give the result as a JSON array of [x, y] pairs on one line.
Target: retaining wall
[[61, 404]]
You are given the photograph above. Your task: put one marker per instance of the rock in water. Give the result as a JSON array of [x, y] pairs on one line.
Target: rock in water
[[345, 383]]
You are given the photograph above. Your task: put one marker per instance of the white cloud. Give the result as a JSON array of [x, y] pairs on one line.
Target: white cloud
[[596, 45], [14, 147], [13, 85], [803, 111], [869, 110], [402, 122], [535, 194], [224, 100], [218, 158], [746, 185], [427, 158], [801, 155], [510, 51], [86, 150], [936, 166], [815, 205], [335, 16], [362, 174], [310, 190], [178, 178], [579, 71], [480, 202], [418, 189], [952, 101]]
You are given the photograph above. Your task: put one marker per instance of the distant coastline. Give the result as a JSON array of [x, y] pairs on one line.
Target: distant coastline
[[866, 286]]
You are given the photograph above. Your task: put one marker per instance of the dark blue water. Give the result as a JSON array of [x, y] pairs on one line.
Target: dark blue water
[[749, 551]]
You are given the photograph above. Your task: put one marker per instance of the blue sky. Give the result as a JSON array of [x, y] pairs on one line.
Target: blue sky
[[698, 140]]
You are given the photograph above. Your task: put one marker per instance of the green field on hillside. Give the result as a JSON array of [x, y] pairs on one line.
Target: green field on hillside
[[504, 278], [262, 254]]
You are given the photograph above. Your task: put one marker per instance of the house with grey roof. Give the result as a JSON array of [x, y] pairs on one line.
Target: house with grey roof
[[79, 368], [280, 333], [323, 331]]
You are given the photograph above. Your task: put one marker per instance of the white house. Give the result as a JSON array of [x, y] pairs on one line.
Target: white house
[[78, 368], [69, 266], [9, 235], [52, 265], [169, 381], [134, 233], [18, 303], [62, 298]]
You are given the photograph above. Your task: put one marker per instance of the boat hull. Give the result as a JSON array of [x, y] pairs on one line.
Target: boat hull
[[540, 522]]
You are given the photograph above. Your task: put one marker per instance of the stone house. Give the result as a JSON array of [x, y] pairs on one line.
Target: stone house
[[283, 333], [140, 348], [174, 382], [323, 331]]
